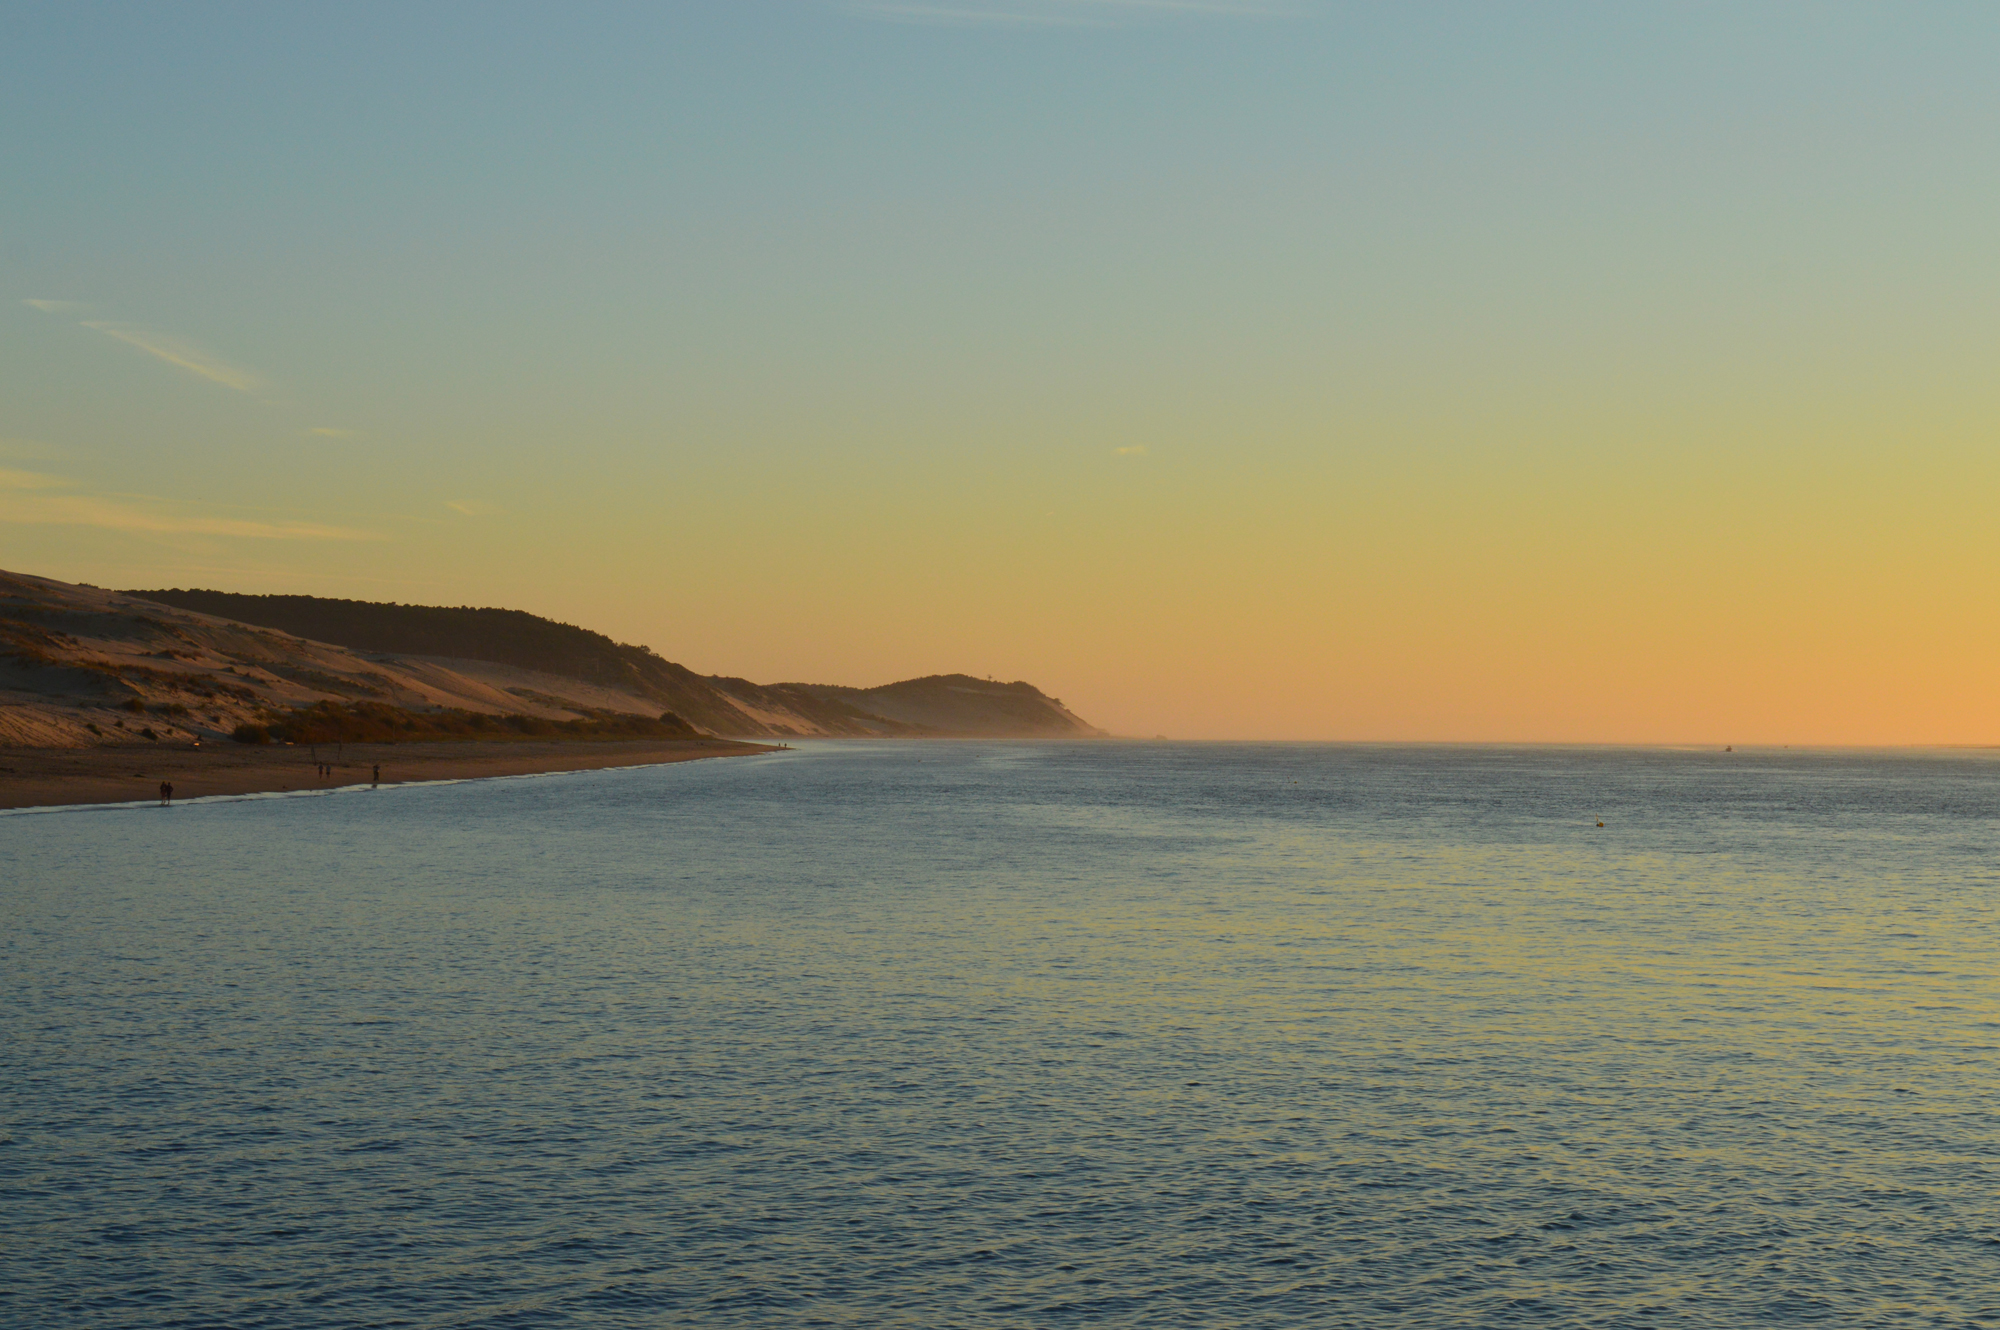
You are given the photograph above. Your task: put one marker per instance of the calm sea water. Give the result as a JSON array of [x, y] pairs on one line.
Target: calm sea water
[[1018, 1035]]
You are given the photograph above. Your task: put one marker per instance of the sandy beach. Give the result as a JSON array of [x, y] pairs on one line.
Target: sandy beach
[[41, 777]]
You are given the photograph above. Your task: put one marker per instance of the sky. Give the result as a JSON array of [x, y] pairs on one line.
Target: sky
[[1288, 370]]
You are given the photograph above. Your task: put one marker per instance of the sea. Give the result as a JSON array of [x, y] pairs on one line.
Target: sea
[[939, 1034]]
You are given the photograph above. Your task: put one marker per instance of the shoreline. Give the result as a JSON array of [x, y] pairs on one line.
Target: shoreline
[[131, 774]]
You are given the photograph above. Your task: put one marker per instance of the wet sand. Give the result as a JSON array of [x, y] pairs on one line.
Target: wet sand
[[39, 777]]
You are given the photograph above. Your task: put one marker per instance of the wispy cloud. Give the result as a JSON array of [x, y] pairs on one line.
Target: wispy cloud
[[1133, 450], [175, 352], [1059, 13], [29, 480], [36, 499], [474, 508], [179, 354]]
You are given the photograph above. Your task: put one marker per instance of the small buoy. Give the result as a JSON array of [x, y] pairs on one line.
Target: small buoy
[[1600, 824]]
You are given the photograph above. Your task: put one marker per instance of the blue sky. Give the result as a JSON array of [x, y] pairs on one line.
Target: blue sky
[[739, 329]]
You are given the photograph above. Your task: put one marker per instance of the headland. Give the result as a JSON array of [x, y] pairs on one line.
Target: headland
[[81, 666], [105, 695]]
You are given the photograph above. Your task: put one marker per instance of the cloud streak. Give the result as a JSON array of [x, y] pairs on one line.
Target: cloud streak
[[34, 499], [28, 480], [179, 354], [55, 306]]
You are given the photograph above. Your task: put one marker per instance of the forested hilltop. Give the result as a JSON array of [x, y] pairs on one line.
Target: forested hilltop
[[954, 704]]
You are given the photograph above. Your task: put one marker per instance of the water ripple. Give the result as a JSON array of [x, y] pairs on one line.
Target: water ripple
[[1019, 1035]]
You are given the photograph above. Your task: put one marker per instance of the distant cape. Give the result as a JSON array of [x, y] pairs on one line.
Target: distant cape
[[503, 648]]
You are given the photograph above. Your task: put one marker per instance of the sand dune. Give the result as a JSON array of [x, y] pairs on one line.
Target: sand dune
[[495, 645], [81, 666]]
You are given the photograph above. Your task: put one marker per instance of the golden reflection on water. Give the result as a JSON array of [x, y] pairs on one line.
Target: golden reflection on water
[[1040, 1035]]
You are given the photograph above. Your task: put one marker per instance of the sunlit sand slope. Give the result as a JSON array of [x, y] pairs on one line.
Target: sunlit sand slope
[[80, 665], [506, 647]]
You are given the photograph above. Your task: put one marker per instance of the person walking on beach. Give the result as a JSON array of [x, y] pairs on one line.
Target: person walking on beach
[[166, 792], [378, 773]]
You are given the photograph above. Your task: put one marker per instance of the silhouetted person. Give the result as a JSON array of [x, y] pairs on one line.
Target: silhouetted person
[[378, 773], [166, 792]]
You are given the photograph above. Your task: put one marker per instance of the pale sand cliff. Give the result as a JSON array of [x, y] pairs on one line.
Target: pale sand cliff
[[104, 694], [81, 666]]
